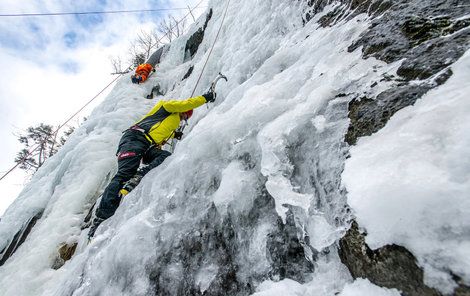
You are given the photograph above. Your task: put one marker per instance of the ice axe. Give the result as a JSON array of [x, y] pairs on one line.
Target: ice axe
[[211, 89], [214, 82]]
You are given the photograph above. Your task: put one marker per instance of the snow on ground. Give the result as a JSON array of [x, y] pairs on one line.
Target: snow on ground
[[409, 183], [363, 287], [286, 287]]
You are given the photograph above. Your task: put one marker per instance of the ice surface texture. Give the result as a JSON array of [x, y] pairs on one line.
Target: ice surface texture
[[251, 201]]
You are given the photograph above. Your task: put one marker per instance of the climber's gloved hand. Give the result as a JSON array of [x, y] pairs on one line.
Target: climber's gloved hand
[[210, 96], [178, 135]]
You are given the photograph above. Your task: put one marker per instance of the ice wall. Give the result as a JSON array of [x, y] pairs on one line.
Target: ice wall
[[252, 199]]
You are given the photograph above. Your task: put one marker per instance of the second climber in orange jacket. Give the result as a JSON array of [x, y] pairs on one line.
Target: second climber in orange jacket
[[142, 72]]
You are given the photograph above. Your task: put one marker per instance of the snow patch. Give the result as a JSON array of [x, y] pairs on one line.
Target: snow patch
[[363, 287], [409, 183]]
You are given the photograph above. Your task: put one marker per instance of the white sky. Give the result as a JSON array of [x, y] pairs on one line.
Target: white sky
[[51, 66]]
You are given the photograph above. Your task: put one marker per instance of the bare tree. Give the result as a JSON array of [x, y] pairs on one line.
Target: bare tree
[[138, 52], [133, 51], [146, 42], [116, 62], [178, 27], [191, 12], [165, 27], [171, 27], [157, 37]]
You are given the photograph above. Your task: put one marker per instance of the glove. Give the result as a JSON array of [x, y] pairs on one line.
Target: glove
[[210, 96], [178, 135]]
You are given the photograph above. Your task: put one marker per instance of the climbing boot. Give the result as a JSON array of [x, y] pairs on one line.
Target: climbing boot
[[94, 225], [130, 185]]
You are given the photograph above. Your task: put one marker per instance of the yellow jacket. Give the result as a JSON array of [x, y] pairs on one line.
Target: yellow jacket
[[161, 122]]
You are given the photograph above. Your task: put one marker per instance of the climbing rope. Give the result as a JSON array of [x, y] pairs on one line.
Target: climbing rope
[[93, 12], [30, 152], [181, 128], [210, 52]]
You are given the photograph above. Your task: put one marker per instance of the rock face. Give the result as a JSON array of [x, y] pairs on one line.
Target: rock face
[[428, 36], [19, 238], [195, 40], [462, 290], [209, 259], [370, 115], [190, 71], [65, 253], [391, 266]]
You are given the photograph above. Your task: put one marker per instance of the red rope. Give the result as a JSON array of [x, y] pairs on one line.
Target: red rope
[[84, 106]]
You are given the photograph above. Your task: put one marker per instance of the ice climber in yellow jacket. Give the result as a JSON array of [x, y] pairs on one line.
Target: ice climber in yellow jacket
[[143, 142]]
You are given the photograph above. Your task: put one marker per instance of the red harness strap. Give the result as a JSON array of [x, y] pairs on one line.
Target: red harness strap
[[126, 154]]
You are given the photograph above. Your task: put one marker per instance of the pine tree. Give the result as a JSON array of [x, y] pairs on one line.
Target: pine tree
[[40, 143], [66, 135], [138, 59]]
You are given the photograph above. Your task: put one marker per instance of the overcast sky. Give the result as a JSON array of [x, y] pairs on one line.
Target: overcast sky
[[50, 66]]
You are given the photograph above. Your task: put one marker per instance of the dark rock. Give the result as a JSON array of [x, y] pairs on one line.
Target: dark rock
[[429, 58], [349, 9], [407, 24], [419, 29], [190, 70], [413, 31], [367, 116], [458, 25], [462, 290], [441, 79], [287, 252], [410, 30], [221, 245], [65, 253], [211, 243], [391, 266], [19, 238], [195, 40], [331, 17]]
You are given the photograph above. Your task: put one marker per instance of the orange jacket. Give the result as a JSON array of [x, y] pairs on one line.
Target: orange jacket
[[143, 70]]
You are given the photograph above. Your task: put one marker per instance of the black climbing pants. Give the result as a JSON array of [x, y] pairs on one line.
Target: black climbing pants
[[133, 148]]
